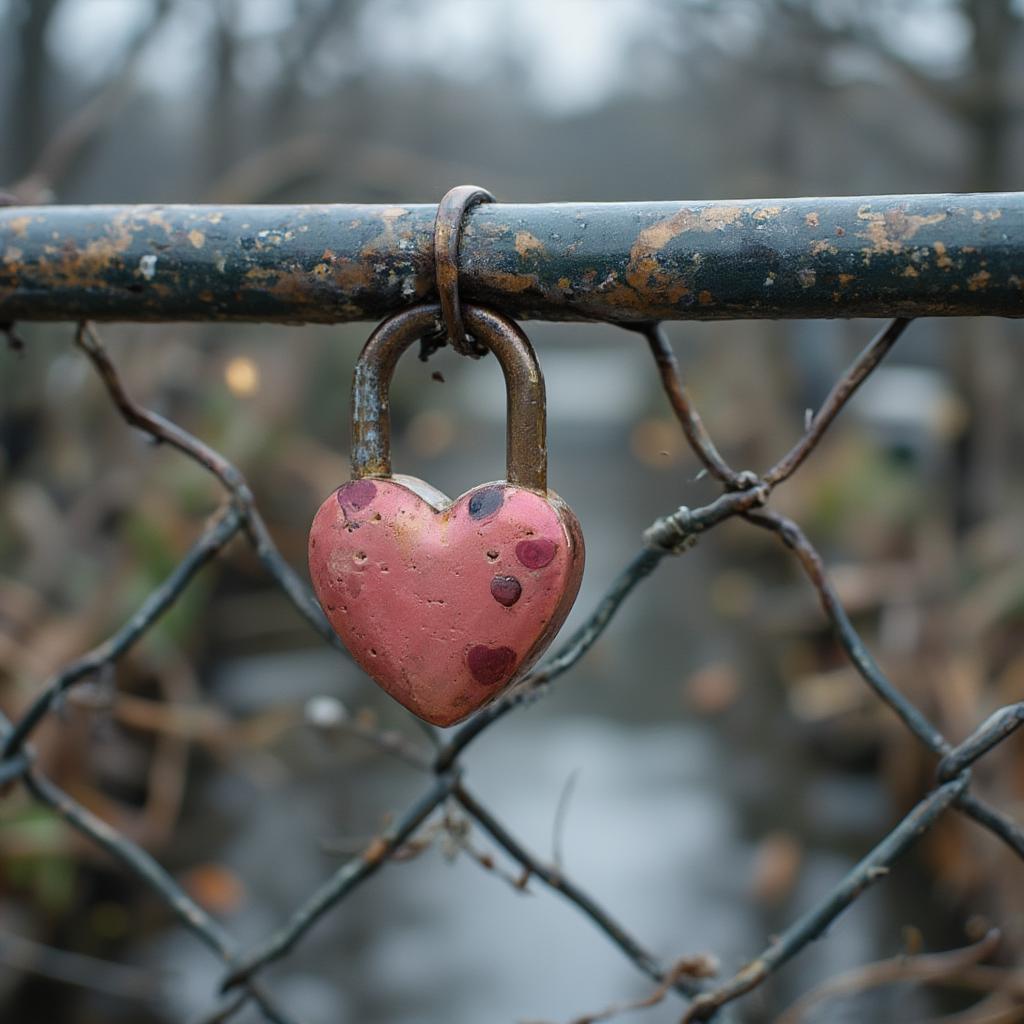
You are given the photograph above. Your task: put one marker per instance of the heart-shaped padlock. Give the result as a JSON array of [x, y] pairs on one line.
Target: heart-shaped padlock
[[446, 603]]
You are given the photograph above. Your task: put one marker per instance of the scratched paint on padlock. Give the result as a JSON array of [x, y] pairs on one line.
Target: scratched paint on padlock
[[444, 604]]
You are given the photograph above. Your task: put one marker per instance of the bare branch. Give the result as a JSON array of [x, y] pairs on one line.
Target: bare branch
[[689, 419], [66, 145], [873, 867], [924, 967], [688, 967], [79, 969], [558, 828], [554, 879]]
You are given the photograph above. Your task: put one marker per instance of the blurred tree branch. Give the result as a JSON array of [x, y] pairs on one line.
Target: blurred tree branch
[[67, 145]]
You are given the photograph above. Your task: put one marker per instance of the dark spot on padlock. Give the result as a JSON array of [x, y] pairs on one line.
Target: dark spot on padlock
[[492, 555], [491, 665], [356, 495], [486, 502], [535, 554], [506, 590]]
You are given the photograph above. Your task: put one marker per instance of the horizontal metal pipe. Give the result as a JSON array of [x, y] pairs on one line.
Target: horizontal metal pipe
[[935, 255]]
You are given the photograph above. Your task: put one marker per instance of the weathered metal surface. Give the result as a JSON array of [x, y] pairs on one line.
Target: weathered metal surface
[[939, 255], [526, 430], [444, 604]]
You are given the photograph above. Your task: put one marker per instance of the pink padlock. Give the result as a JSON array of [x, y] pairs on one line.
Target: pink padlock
[[446, 603]]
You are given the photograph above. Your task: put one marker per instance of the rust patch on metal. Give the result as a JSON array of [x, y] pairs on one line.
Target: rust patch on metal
[[527, 244], [823, 245], [663, 260], [706, 218], [512, 283], [197, 238], [888, 231], [347, 274], [376, 851], [90, 266], [291, 285], [156, 219], [644, 271]]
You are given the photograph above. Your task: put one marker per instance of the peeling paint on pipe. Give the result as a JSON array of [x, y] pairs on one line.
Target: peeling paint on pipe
[[932, 255]]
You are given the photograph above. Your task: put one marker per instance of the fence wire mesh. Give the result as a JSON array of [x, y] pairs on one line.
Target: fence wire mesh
[[447, 806]]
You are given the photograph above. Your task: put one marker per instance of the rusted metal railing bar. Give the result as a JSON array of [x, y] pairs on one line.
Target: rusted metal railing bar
[[932, 255]]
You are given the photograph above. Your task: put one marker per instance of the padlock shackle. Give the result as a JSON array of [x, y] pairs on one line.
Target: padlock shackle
[[526, 420]]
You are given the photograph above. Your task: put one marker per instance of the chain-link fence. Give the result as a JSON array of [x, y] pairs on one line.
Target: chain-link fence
[[448, 802]]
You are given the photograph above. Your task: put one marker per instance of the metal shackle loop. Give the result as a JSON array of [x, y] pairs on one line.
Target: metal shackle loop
[[526, 425]]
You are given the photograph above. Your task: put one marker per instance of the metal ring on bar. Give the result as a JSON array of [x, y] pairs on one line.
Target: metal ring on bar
[[451, 213]]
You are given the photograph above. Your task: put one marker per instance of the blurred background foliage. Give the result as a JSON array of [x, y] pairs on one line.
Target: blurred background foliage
[[717, 705]]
